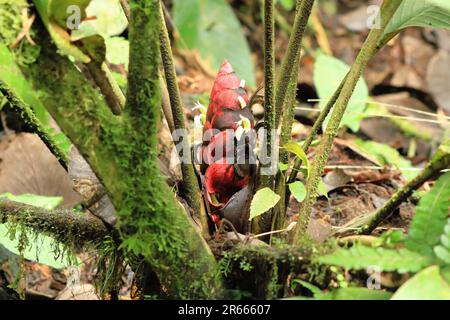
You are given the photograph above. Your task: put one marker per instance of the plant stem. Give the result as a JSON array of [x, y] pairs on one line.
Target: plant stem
[[190, 183], [266, 180], [289, 62], [126, 8], [440, 160], [315, 128], [25, 112], [369, 48], [62, 225]]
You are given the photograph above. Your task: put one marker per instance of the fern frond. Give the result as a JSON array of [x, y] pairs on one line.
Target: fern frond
[[362, 257], [430, 218]]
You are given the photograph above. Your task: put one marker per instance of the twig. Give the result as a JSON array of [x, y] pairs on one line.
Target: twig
[[289, 62], [190, 183], [369, 48], [25, 112], [65, 226], [440, 161], [126, 8]]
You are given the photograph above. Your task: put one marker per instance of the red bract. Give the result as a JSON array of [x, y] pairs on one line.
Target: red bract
[[228, 108]]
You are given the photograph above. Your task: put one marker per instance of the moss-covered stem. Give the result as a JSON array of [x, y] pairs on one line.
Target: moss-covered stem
[[266, 177], [108, 86], [73, 229], [190, 183], [267, 180], [25, 112], [370, 46], [440, 161], [315, 128], [289, 62]]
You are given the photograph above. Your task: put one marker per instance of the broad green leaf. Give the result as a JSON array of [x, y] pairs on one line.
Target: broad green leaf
[[296, 149], [263, 200], [328, 74], [354, 294], [431, 218], [59, 10], [361, 257], [45, 202], [298, 190], [283, 166], [426, 285], [117, 51], [420, 13], [110, 20], [387, 155], [60, 34], [287, 4], [41, 248], [211, 28]]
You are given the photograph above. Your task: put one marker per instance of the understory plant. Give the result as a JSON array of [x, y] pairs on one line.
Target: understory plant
[[162, 235]]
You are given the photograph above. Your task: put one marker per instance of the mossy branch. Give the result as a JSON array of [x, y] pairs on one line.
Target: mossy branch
[[440, 161], [190, 182], [25, 112], [65, 226], [369, 48], [292, 54]]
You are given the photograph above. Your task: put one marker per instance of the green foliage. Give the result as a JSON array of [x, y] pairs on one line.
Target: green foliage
[[211, 28], [286, 4], [298, 190], [40, 248], [386, 154], [263, 200], [426, 285], [296, 149], [117, 51], [328, 74], [362, 257], [350, 293], [420, 13], [430, 218], [110, 20], [442, 251], [34, 200]]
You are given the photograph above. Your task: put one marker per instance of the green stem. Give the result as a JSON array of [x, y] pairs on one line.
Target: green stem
[[25, 112], [369, 48], [440, 161], [190, 183], [315, 128], [289, 62]]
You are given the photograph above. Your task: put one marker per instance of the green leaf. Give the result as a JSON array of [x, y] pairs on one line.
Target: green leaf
[[420, 13], [298, 190], [295, 148], [59, 33], [426, 285], [385, 154], [41, 248], [361, 257], [322, 188], [211, 28], [117, 51], [263, 200], [442, 251], [354, 294], [287, 4], [110, 20], [431, 218], [283, 166], [45, 202], [328, 74]]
